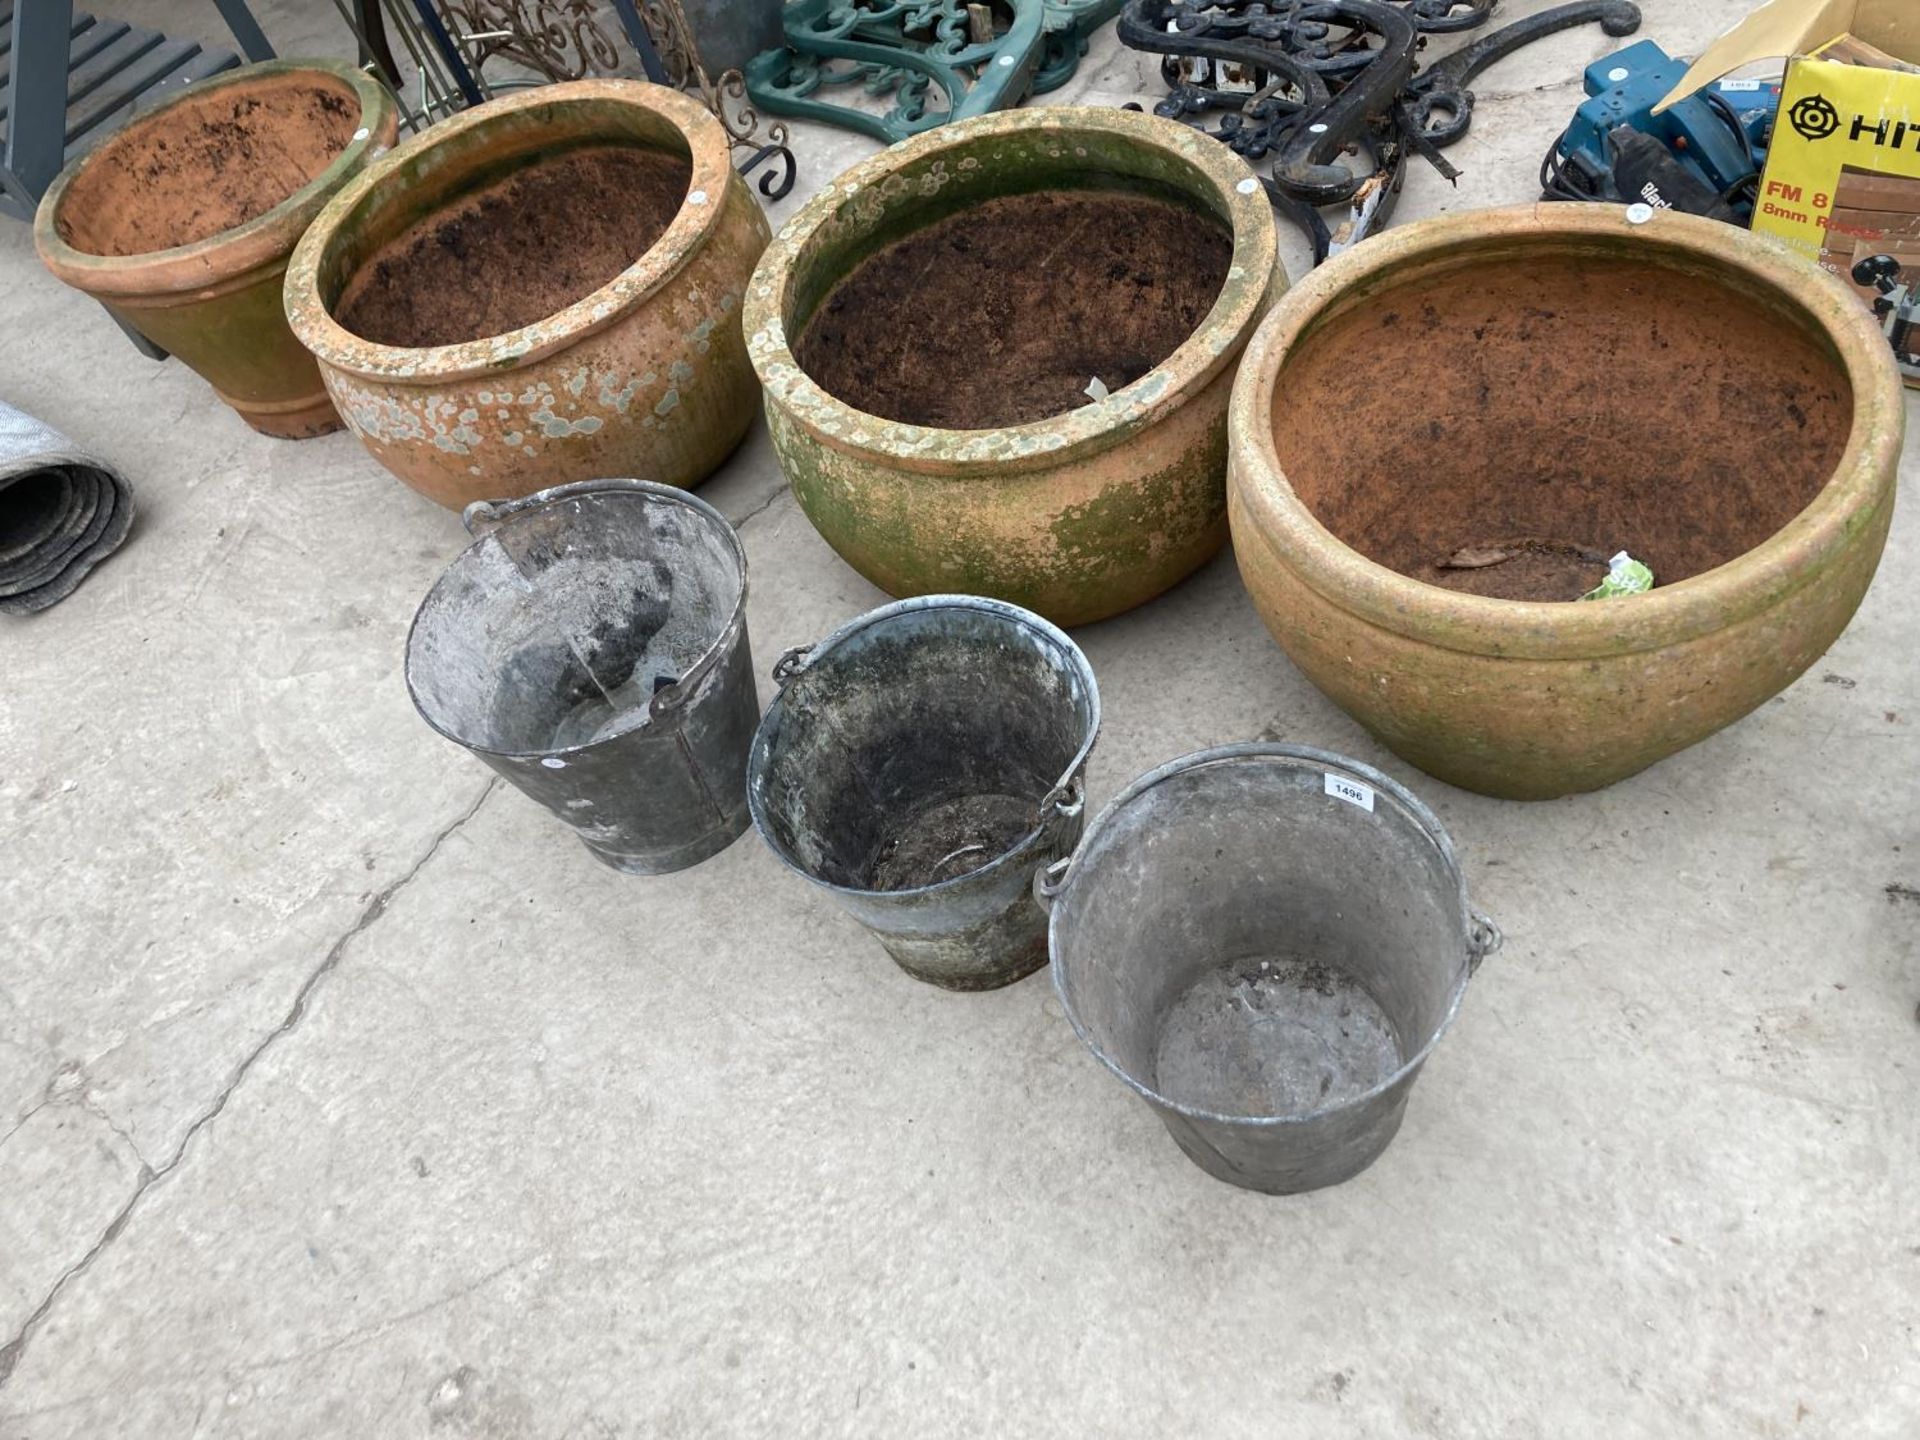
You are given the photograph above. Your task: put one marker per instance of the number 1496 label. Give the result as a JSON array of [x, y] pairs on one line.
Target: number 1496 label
[[1351, 791]]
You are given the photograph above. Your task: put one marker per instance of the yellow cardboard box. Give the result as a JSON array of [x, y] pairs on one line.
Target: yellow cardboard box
[[1842, 182]]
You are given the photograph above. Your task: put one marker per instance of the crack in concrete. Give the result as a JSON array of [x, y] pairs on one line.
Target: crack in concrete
[[93, 1107], [20, 1124], [14, 1349], [352, 1339], [1482, 97], [762, 508]]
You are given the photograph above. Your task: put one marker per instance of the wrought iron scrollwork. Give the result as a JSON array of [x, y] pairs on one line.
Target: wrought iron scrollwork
[[1443, 17], [1439, 102], [938, 60], [557, 39], [663, 35], [1311, 85]]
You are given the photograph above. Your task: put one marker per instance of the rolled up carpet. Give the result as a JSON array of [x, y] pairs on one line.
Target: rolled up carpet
[[61, 513]]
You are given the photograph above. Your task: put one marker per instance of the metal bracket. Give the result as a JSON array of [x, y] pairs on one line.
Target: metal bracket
[[926, 54], [1050, 880], [1317, 80], [792, 663], [1484, 938]]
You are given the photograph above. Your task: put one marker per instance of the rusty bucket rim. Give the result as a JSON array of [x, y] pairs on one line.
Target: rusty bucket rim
[[1265, 511], [1028, 843], [693, 224], [710, 657], [157, 276], [1301, 757], [1213, 345]]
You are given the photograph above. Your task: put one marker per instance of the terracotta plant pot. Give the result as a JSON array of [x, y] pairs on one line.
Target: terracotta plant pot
[[926, 327], [542, 289], [181, 224], [1488, 406]]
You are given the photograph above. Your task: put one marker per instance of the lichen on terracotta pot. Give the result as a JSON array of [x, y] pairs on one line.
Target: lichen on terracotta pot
[[997, 357], [1441, 438], [545, 288], [182, 223]]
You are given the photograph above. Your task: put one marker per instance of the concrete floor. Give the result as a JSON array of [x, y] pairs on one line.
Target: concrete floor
[[343, 1095]]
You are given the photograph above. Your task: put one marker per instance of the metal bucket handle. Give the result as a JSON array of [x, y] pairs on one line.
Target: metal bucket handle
[[483, 517], [1050, 880], [792, 664], [1059, 808], [1484, 937], [1063, 805]]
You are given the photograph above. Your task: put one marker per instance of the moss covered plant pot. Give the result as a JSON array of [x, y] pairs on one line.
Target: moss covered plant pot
[[182, 223], [1440, 439], [997, 357], [542, 289]]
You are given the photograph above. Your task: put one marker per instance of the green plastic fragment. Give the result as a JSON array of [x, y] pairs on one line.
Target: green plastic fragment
[[1625, 576]]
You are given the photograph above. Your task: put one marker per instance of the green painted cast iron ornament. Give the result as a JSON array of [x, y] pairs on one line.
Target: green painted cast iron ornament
[[925, 54]]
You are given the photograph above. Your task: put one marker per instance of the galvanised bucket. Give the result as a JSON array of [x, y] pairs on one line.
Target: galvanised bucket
[[1265, 943], [591, 646], [921, 765]]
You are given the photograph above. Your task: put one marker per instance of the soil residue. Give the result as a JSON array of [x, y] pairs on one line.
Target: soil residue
[[1002, 313], [517, 250], [1543, 415], [211, 167], [952, 838]]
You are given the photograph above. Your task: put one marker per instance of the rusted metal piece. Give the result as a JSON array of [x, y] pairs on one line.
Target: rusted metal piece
[[591, 646], [1079, 516], [1325, 80], [729, 34], [1754, 468], [1438, 105], [921, 765], [1266, 943], [558, 39], [215, 301], [647, 375]]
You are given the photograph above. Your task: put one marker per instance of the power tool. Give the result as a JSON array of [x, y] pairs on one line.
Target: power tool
[[1704, 155], [1894, 305]]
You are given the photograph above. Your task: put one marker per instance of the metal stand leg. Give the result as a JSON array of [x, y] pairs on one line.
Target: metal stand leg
[[246, 30], [372, 28], [37, 128], [642, 41], [140, 342], [449, 53]]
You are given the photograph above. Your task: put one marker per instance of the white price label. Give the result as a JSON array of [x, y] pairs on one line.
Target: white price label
[[1351, 791], [1739, 86]]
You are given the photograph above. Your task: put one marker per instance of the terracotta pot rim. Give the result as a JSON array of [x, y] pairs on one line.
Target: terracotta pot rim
[[232, 255], [1212, 347], [1669, 614], [339, 348]]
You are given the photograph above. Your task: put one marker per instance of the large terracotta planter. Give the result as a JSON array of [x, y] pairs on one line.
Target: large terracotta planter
[[644, 375], [1078, 514], [181, 224], [1674, 387]]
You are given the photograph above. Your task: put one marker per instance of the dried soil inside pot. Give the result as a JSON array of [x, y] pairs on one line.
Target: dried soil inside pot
[[948, 838], [212, 166], [1002, 313], [1505, 428], [518, 249]]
